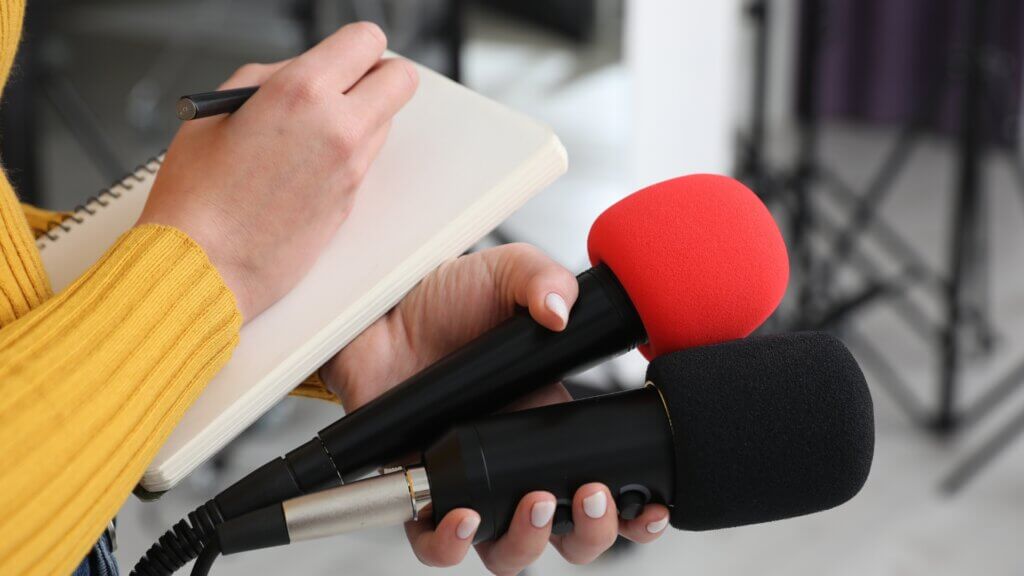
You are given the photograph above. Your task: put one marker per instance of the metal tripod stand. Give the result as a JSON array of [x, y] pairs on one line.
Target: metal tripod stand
[[961, 291]]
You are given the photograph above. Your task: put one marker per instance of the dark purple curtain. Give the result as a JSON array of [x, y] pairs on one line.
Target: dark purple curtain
[[885, 61]]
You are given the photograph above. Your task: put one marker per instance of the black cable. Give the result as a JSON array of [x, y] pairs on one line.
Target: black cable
[[181, 544], [206, 559], [271, 483]]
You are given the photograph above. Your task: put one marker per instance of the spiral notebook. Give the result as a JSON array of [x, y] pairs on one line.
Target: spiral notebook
[[455, 166]]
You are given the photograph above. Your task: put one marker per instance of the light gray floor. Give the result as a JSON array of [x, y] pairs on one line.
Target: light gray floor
[[898, 526]]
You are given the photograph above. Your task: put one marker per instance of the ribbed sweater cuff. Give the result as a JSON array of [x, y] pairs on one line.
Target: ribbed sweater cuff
[[97, 377], [314, 387]]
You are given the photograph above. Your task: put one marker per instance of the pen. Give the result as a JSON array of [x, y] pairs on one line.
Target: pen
[[195, 106]]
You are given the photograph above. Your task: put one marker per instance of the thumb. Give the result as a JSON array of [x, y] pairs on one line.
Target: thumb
[[538, 283]]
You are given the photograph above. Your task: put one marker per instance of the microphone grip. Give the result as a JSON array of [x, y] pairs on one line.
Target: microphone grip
[[487, 374], [623, 440]]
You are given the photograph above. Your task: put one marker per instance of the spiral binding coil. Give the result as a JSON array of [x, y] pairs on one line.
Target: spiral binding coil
[[102, 199], [181, 544]]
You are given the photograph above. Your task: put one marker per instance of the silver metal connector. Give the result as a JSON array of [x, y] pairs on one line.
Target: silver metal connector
[[384, 500], [419, 489]]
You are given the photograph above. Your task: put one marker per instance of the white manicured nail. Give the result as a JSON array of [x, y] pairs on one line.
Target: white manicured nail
[[556, 304], [467, 527], [541, 513], [657, 525], [596, 504]]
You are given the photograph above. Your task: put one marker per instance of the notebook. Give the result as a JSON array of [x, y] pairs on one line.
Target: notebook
[[455, 165]]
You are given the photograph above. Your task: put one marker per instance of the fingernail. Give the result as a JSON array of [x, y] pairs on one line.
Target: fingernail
[[467, 527], [556, 304], [657, 525], [541, 513], [596, 504]]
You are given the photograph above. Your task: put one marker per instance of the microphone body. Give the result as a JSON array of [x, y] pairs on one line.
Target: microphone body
[[623, 440], [490, 372], [728, 435]]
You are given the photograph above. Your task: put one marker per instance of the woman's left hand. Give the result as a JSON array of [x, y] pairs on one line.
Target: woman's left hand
[[454, 304]]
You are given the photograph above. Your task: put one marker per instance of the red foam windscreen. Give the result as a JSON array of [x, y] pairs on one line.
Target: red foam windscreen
[[700, 257]]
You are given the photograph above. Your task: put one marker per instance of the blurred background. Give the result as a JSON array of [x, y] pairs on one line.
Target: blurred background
[[885, 137]]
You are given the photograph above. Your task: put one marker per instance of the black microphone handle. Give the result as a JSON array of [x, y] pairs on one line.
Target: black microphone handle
[[748, 431], [485, 375], [623, 440], [503, 364]]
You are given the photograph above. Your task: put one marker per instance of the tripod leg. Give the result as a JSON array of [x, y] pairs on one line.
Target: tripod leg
[[866, 209], [965, 212], [751, 157], [812, 18], [867, 205], [887, 236], [903, 304], [994, 396], [916, 267], [984, 455]]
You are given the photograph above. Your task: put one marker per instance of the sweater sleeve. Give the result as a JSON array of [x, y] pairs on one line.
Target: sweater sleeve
[[314, 387], [93, 380], [40, 221]]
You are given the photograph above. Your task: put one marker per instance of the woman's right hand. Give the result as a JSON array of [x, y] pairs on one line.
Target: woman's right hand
[[264, 189]]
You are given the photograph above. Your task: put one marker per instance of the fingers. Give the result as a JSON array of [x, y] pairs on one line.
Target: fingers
[[526, 538], [380, 94], [446, 544], [539, 283], [646, 527], [340, 60], [252, 75], [595, 525]]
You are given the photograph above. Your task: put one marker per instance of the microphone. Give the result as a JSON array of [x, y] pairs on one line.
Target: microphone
[[727, 435], [683, 263], [686, 262]]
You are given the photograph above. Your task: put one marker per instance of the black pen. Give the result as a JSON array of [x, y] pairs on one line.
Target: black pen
[[195, 106]]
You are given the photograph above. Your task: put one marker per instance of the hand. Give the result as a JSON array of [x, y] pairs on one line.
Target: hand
[[264, 189], [450, 307]]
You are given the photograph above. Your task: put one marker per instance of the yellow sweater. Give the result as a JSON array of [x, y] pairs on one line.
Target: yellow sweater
[[93, 379]]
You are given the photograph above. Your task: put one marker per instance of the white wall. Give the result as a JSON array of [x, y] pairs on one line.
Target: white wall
[[682, 59]]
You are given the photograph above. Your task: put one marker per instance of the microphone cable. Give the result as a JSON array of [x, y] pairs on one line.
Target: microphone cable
[[206, 559], [182, 543], [275, 481]]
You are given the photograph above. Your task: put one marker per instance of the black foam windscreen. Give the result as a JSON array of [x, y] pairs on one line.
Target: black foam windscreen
[[765, 428]]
